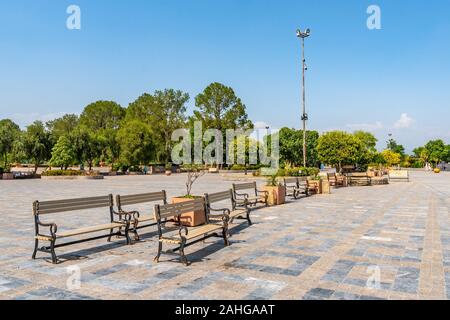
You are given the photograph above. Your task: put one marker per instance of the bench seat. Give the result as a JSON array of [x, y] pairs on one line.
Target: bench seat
[[81, 231], [195, 232], [146, 218]]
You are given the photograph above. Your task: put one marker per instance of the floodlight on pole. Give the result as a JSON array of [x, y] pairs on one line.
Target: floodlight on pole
[[303, 35]]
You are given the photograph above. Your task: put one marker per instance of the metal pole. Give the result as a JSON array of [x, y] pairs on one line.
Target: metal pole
[[304, 117]]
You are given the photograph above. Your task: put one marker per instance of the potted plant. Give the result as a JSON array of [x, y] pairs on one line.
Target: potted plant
[[195, 218], [277, 192], [168, 169]]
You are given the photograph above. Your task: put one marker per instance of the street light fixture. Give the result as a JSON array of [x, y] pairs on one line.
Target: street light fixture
[[302, 35]]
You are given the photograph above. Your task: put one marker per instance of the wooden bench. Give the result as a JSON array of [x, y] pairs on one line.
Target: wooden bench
[[245, 199], [138, 220], [336, 180], [182, 235], [399, 175], [117, 220], [231, 210], [359, 179], [295, 187]]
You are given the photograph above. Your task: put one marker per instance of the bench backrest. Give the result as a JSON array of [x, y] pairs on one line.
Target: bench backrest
[[162, 212], [244, 186], [293, 180], [331, 176], [50, 207], [211, 198], [140, 198], [401, 174]]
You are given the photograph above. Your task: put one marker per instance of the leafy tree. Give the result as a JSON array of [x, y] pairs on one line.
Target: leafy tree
[[437, 151], [102, 115], [63, 126], [62, 153], [368, 139], [36, 144], [102, 120], [9, 134], [369, 143], [291, 147], [135, 139], [391, 158], [218, 107], [164, 112], [395, 147], [338, 148], [86, 145]]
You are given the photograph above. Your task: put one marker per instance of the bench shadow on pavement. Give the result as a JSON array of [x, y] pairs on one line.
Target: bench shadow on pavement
[[193, 257]]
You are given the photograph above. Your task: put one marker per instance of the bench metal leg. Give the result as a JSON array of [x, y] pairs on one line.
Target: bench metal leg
[[248, 218], [183, 258], [52, 251], [156, 259], [225, 237], [36, 245], [111, 233]]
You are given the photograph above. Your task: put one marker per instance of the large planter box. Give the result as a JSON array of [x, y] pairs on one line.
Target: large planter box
[[277, 195], [190, 219], [325, 187], [8, 176]]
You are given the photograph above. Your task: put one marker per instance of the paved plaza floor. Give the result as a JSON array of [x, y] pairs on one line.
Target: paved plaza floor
[[380, 242]]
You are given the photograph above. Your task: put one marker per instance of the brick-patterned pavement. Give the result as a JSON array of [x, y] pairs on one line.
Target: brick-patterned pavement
[[380, 242]]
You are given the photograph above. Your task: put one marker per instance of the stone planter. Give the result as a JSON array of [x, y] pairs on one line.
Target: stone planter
[[8, 176], [325, 187], [277, 195], [190, 219], [168, 172]]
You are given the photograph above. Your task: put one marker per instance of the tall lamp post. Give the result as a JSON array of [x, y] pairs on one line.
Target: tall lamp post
[[303, 35]]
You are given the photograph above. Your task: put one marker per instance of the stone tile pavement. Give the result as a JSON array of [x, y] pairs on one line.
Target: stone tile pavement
[[381, 242]]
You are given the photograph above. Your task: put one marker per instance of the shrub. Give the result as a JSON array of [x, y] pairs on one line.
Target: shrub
[[55, 173], [1, 170]]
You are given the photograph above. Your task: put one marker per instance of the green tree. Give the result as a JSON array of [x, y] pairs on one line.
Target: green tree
[[63, 126], [102, 120], [135, 139], [437, 151], [369, 143], [218, 107], [36, 144], [9, 134], [395, 147], [391, 158], [62, 153], [164, 112], [291, 147], [86, 146], [338, 148]]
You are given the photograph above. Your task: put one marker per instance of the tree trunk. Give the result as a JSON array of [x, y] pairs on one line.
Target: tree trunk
[[36, 168]]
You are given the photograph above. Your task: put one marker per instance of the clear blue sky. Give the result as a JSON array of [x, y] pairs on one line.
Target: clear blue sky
[[357, 78]]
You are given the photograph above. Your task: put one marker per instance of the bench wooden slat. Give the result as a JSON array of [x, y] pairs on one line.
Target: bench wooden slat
[[290, 180], [81, 231], [219, 196], [140, 198], [244, 186], [74, 201], [74, 208], [47, 207], [170, 210]]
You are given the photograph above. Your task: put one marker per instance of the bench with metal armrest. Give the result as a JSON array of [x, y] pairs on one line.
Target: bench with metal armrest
[[295, 187], [184, 236], [336, 180], [231, 209], [138, 220], [118, 221], [252, 198]]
